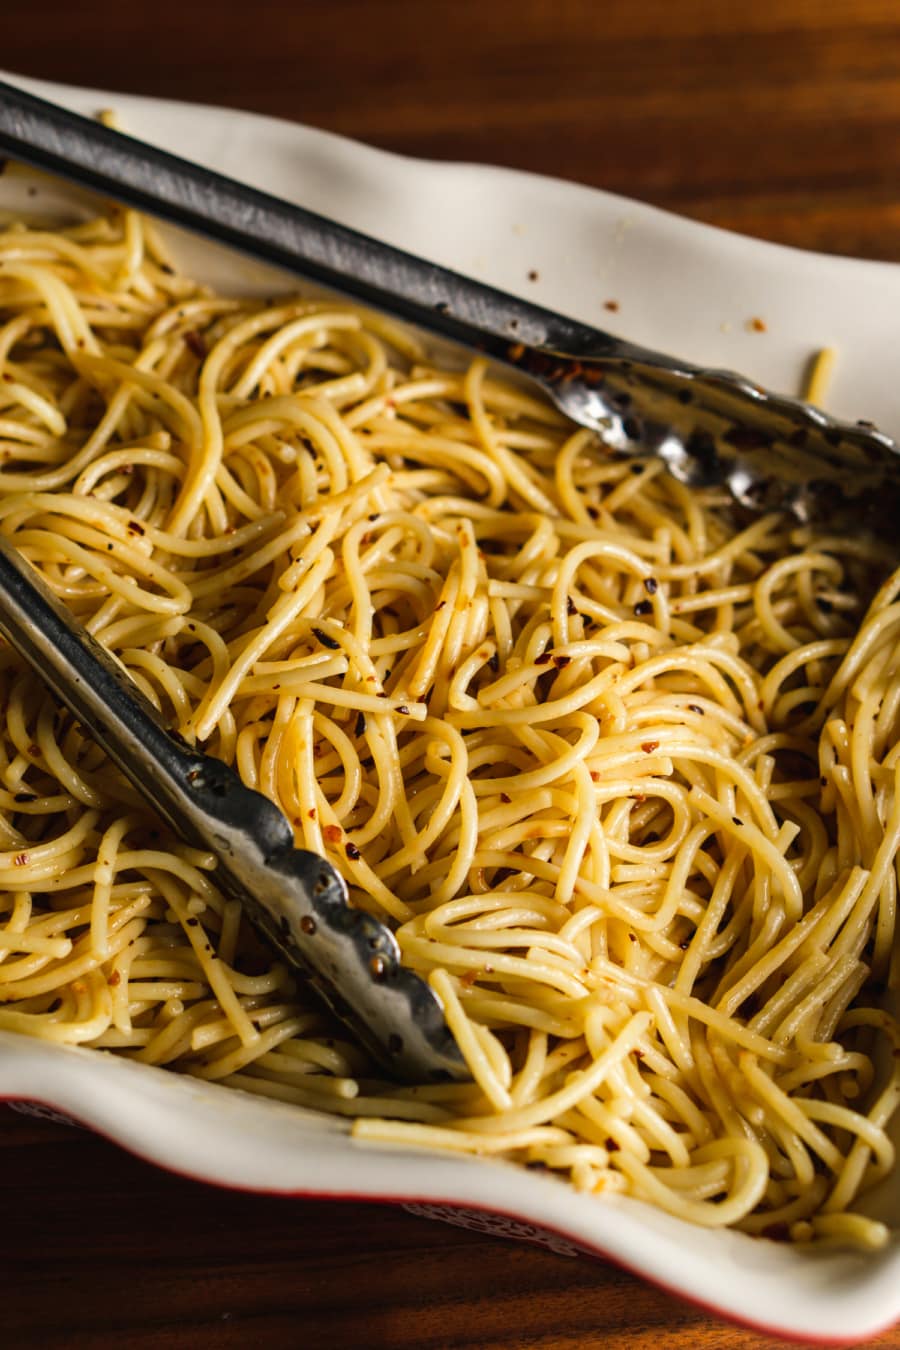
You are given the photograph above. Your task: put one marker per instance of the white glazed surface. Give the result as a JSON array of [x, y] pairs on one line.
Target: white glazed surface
[[680, 287]]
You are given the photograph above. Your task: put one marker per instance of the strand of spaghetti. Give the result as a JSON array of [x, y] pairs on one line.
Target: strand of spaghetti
[[745, 1193], [104, 877], [466, 1038], [583, 1083], [280, 616], [756, 842], [74, 334], [38, 545]]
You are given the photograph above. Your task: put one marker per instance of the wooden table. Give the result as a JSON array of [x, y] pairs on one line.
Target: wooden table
[[781, 119]]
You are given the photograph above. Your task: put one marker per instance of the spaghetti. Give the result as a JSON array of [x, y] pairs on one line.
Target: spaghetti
[[619, 767]]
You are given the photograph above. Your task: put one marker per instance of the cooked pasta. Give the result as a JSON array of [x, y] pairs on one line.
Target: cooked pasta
[[618, 766]]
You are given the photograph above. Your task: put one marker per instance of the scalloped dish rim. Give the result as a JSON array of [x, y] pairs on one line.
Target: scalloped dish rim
[[670, 283]]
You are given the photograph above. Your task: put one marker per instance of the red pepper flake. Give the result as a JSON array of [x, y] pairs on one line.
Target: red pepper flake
[[756, 325], [505, 797], [332, 834], [612, 305], [649, 746], [468, 978], [21, 860], [195, 344], [595, 777], [115, 979], [352, 852], [311, 813]]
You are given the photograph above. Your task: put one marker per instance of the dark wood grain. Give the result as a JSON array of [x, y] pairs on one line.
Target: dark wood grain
[[98, 1248], [781, 119]]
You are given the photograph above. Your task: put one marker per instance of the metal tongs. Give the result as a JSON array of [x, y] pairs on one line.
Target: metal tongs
[[295, 898], [711, 427]]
